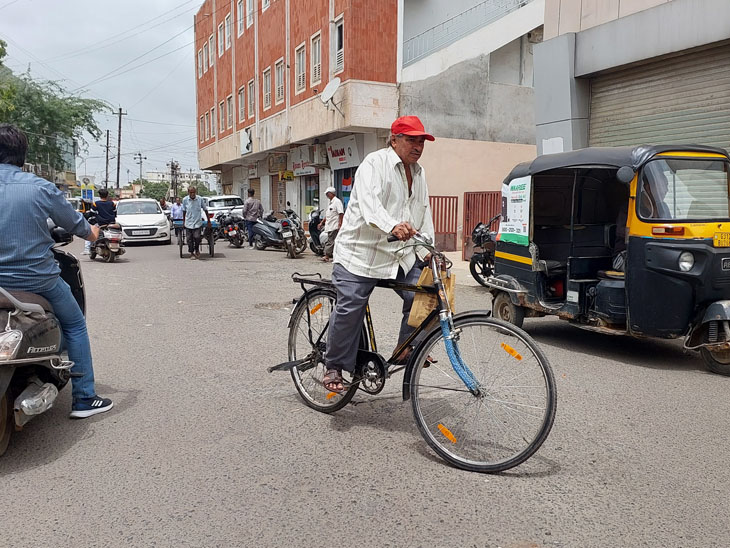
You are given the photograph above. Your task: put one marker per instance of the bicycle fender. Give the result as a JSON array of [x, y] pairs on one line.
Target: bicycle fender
[[433, 332]]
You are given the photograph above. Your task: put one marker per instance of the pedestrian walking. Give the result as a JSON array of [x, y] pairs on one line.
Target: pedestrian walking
[[332, 222], [193, 208], [252, 211]]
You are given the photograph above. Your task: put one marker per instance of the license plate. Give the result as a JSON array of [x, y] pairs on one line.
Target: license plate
[[286, 234], [232, 232], [140, 232], [721, 239]]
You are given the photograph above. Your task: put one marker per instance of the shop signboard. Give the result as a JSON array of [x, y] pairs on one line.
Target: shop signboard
[[277, 163], [253, 170], [342, 153], [302, 161]]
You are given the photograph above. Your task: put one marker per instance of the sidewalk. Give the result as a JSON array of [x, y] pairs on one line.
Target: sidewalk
[[461, 269]]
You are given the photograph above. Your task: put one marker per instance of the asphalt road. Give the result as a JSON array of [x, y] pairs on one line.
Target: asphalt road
[[204, 448]]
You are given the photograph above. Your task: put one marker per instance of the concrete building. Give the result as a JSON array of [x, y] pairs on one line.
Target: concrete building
[[624, 72], [185, 178], [264, 70]]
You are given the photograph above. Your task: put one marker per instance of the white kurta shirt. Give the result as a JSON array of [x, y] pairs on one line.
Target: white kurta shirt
[[378, 202]]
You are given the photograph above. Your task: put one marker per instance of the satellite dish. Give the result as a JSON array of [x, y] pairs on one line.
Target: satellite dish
[[329, 90]]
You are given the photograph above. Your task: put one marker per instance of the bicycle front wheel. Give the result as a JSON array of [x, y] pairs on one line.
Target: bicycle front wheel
[[507, 418], [307, 339]]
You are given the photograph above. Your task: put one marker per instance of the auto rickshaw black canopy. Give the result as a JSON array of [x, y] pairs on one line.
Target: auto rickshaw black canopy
[[611, 157]]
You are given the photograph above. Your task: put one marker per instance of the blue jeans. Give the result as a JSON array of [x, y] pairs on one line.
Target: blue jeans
[[249, 229], [76, 338]]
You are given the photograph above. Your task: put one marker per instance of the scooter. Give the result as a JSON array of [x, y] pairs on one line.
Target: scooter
[[481, 264], [282, 233], [109, 244], [33, 367], [317, 238]]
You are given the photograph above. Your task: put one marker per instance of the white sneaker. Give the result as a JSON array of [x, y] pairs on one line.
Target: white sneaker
[[85, 252]]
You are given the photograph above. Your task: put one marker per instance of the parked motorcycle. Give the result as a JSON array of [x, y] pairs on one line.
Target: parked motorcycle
[[231, 227], [481, 264], [32, 366], [317, 238], [284, 233]]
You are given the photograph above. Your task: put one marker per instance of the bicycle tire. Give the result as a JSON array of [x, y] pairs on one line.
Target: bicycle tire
[[481, 442], [308, 380]]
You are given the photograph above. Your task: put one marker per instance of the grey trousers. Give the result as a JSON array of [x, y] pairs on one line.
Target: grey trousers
[[353, 292], [329, 247]]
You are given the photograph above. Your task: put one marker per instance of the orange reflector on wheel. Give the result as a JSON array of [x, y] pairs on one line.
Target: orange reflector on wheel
[[447, 433], [315, 309], [331, 395], [511, 351]]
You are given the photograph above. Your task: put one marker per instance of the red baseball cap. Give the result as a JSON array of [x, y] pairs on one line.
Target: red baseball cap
[[410, 125]]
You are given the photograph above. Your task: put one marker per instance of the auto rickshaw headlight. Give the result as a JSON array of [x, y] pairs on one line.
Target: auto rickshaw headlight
[[686, 261]]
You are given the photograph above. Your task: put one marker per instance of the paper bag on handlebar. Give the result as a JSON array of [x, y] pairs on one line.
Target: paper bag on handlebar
[[424, 303]]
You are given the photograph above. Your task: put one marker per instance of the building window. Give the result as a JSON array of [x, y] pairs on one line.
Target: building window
[[250, 6], [200, 63], [279, 81], [220, 40], [229, 111], [239, 17], [222, 116], [207, 126], [202, 129], [251, 98], [242, 104], [265, 5], [228, 31], [267, 88], [300, 60], [211, 49], [316, 53], [212, 122], [205, 57], [339, 45]]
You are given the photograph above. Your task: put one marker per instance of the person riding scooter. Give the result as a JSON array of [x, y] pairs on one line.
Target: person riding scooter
[[27, 262], [106, 213]]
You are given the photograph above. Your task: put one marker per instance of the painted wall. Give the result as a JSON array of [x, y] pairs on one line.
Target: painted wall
[[455, 166], [422, 15], [465, 103], [563, 16]]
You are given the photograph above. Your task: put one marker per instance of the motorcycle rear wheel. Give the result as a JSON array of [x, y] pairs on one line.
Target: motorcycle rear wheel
[[109, 257], [237, 241], [301, 244], [92, 254], [290, 251], [6, 422]]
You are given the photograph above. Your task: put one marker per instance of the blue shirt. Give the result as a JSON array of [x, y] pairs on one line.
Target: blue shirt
[[177, 211], [193, 211], [26, 203], [107, 212]]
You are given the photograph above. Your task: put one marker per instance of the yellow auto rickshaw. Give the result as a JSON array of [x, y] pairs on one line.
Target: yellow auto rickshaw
[[625, 240]]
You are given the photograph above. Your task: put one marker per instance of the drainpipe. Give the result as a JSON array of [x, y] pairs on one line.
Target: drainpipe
[[399, 54], [287, 78]]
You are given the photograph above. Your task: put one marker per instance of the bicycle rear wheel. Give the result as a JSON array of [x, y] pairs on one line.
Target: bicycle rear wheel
[[512, 414], [314, 313]]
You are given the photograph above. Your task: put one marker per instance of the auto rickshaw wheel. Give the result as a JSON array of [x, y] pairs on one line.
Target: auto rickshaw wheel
[[504, 309], [718, 361]]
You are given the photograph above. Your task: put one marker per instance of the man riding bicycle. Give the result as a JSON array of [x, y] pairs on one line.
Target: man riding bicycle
[[390, 196]]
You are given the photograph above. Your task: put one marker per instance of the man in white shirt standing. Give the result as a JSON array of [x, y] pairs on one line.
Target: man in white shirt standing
[[389, 196], [332, 222]]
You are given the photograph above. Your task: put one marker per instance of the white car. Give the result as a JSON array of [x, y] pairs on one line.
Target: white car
[[142, 220], [228, 202]]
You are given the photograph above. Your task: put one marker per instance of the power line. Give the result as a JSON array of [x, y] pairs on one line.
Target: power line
[[160, 82], [9, 4]]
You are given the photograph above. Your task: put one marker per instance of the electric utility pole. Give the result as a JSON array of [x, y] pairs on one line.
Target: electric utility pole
[[138, 160], [106, 178], [174, 170], [119, 145]]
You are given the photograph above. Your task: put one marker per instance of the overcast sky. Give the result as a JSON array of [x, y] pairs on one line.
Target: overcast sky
[[77, 42]]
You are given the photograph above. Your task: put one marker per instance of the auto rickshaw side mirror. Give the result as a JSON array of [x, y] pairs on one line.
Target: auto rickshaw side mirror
[[625, 175]]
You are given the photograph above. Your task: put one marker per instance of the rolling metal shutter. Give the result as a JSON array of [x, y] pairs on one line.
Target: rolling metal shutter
[[679, 100]]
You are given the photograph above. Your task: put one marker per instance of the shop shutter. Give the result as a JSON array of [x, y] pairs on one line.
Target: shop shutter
[[683, 99]]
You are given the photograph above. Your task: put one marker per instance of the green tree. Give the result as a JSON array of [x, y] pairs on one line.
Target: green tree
[[204, 190], [155, 190], [50, 116]]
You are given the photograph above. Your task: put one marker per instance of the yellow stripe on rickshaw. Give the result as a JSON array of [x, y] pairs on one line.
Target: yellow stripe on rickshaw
[[513, 257], [688, 154]]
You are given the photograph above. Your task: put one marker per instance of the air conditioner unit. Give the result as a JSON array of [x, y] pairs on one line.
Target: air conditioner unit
[[319, 155]]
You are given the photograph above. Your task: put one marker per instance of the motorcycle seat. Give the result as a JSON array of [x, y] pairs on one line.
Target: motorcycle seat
[[24, 297]]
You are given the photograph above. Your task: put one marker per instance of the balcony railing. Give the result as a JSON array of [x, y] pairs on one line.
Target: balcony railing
[[451, 30]]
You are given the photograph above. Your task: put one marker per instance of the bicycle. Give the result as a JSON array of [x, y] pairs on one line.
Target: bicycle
[[468, 379]]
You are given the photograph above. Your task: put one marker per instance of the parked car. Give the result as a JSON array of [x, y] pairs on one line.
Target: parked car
[[142, 220], [227, 203]]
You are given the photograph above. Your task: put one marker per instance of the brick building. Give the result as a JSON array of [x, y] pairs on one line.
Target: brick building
[[262, 67]]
